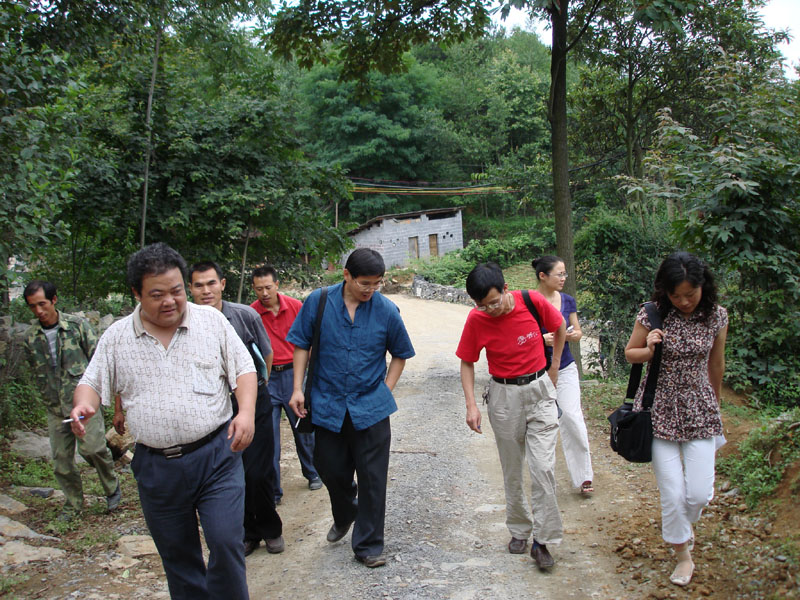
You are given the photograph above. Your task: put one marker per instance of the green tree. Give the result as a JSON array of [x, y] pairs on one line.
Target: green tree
[[738, 183], [36, 174]]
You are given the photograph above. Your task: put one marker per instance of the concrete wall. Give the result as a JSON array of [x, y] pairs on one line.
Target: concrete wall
[[390, 237]]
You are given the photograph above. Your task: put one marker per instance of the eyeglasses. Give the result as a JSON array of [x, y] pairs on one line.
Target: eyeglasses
[[369, 287], [561, 275], [492, 305]]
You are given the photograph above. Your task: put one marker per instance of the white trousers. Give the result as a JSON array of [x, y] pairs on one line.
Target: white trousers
[[524, 419], [574, 438], [685, 475]]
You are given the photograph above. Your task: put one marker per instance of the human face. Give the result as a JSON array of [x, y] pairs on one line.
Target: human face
[[556, 278], [42, 308], [362, 287], [685, 297], [266, 289], [494, 303], [207, 288], [163, 299]]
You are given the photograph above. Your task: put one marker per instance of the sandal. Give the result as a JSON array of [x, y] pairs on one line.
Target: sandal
[[586, 487]]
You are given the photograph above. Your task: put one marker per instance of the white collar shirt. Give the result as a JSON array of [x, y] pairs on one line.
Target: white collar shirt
[[174, 395]]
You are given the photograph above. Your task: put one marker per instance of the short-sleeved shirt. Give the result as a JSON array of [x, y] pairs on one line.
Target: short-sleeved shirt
[[248, 327], [513, 341], [685, 406], [350, 371], [172, 395], [277, 326], [568, 306]]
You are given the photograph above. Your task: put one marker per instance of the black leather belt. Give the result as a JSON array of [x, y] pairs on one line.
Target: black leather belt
[[523, 380], [178, 451], [279, 368]]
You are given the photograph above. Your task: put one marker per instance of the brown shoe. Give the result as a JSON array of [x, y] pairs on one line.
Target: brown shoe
[[275, 546], [517, 546], [541, 556], [336, 533], [371, 561], [250, 546]]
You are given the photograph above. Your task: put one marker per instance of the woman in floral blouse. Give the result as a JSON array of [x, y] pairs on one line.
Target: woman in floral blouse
[[685, 412]]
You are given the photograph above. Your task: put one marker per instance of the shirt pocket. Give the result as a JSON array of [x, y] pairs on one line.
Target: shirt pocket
[[206, 378]]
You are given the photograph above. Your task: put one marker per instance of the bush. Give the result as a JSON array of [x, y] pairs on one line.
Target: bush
[[616, 261], [764, 457]]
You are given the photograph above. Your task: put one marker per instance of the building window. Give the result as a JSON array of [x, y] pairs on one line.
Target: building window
[[433, 244], [413, 247]]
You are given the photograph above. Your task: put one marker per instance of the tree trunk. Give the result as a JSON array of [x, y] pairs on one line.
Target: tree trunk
[[557, 115], [149, 128], [244, 265]]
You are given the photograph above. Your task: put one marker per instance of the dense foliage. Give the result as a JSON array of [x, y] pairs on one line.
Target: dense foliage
[[110, 108]]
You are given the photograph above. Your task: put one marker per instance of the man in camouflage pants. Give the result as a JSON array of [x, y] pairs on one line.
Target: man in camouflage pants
[[60, 347]]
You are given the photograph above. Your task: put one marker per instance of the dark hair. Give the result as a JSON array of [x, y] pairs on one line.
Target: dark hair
[[37, 284], [674, 270], [202, 266], [483, 278], [365, 261], [153, 260], [545, 264], [266, 270]]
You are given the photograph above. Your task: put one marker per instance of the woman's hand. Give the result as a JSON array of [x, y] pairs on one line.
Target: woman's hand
[[655, 336], [548, 339]]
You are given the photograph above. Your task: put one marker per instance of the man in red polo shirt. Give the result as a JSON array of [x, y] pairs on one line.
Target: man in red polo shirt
[[521, 401], [278, 312]]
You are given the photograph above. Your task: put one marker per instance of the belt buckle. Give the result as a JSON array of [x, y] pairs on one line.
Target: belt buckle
[[173, 452]]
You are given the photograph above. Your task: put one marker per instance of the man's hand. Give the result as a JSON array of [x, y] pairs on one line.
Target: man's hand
[[298, 404], [119, 422], [85, 411], [474, 418], [241, 430]]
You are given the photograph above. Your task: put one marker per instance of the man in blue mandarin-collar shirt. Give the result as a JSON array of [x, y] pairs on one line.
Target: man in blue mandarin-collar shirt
[[352, 396]]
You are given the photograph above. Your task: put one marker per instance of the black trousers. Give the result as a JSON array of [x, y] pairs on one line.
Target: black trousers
[[261, 520], [337, 457]]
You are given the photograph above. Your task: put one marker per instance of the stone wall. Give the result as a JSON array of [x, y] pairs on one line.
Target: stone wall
[[433, 291]]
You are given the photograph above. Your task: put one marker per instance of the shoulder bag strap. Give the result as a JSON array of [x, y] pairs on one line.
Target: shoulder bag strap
[[654, 364], [323, 301], [532, 309]]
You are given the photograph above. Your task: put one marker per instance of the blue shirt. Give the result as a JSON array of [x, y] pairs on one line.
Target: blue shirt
[[351, 366], [568, 306]]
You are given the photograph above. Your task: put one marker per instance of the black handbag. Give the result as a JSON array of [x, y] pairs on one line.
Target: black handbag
[[304, 425], [632, 432]]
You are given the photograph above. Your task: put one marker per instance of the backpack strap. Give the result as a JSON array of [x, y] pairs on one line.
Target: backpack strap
[[535, 313]]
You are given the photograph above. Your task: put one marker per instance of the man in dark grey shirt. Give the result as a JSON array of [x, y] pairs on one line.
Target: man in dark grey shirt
[[261, 520]]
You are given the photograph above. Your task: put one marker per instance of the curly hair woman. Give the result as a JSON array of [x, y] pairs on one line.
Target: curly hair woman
[[685, 412]]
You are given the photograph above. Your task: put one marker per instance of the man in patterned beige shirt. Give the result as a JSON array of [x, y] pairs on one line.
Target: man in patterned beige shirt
[[172, 363]]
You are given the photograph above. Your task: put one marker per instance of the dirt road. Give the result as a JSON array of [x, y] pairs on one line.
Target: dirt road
[[445, 530]]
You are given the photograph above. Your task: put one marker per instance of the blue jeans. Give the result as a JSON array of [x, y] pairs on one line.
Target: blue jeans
[[280, 391], [208, 482]]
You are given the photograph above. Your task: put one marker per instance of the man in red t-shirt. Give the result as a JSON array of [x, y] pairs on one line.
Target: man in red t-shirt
[[278, 312], [521, 399]]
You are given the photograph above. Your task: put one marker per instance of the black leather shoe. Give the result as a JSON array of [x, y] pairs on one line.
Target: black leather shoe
[[250, 546], [371, 561], [541, 556], [275, 546], [336, 533], [517, 546]]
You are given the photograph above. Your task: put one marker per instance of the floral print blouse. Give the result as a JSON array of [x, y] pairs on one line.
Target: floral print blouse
[[685, 407]]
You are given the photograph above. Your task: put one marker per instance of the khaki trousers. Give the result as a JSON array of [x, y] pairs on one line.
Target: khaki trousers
[[524, 419], [92, 447]]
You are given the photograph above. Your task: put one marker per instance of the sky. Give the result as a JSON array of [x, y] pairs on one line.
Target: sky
[[777, 14]]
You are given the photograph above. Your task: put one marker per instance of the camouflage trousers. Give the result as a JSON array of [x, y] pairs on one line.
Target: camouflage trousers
[[92, 447]]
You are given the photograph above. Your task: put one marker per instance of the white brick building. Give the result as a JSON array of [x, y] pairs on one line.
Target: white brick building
[[420, 234]]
